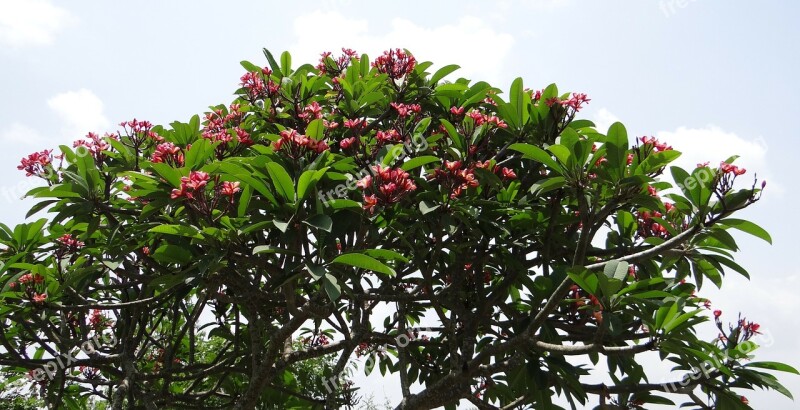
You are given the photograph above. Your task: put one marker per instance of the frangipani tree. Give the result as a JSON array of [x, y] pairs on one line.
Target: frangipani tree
[[477, 245]]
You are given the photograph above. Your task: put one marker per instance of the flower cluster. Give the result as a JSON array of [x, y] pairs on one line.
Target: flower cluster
[[191, 186], [256, 87], [404, 110], [388, 186], [97, 320], [455, 178], [650, 228], [297, 145], [69, 243], [481, 118], [334, 67], [168, 153], [222, 127], [38, 163], [388, 136], [731, 169], [311, 112], [396, 63], [346, 143], [139, 131], [94, 145], [229, 189], [655, 144], [316, 340], [576, 102], [30, 283]]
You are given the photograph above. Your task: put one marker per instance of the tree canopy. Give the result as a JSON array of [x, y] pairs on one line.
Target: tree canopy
[[476, 245]]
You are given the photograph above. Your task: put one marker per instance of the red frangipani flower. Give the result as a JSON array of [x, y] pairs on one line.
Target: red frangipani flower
[[37, 163], [168, 153], [191, 185], [388, 186], [229, 188], [456, 179], [297, 145], [396, 63]]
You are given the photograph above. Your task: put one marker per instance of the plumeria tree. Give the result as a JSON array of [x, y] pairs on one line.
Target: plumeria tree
[[477, 246]]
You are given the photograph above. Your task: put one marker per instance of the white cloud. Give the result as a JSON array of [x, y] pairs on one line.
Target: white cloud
[[81, 112], [479, 49], [713, 144], [31, 22], [21, 134], [603, 119], [709, 144]]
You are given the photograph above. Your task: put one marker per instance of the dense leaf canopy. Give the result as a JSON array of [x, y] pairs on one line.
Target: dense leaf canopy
[[477, 246]]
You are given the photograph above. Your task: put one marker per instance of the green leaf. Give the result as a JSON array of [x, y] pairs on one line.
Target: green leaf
[[343, 204], [281, 181], [268, 249], [286, 63], [360, 260], [747, 227], [272, 63], [458, 139], [316, 271], [441, 73], [616, 269], [427, 207], [307, 181], [315, 130], [781, 367], [386, 254], [617, 148], [537, 154], [178, 230], [418, 162], [672, 323], [332, 287], [320, 221], [197, 155], [172, 175], [172, 254]]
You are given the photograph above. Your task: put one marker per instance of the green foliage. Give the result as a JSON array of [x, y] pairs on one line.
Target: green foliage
[[468, 242]]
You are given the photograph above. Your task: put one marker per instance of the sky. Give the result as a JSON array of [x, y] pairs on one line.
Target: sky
[[712, 78]]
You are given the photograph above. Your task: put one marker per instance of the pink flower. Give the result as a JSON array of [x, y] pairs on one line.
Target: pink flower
[[576, 101], [195, 182], [229, 188], [347, 142], [717, 313], [457, 111], [403, 110], [168, 153], [355, 123], [396, 63], [39, 297], [731, 169], [388, 136], [36, 163], [365, 182], [311, 112], [370, 202], [656, 144], [69, 242], [509, 173]]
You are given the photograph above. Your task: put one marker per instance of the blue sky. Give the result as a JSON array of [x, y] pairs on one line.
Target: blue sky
[[712, 78]]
